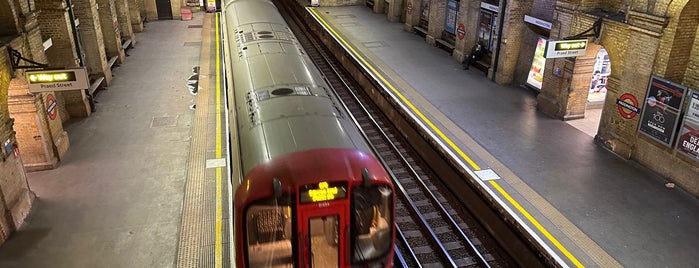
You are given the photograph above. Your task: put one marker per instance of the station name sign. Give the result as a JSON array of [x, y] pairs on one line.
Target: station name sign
[[57, 80], [566, 48]]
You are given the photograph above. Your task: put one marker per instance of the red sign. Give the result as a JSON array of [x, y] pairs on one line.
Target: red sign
[[460, 31], [410, 8], [626, 109], [51, 106]]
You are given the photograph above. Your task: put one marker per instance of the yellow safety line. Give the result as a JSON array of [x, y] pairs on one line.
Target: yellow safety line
[[536, 223], [448, 141], [219, 203]]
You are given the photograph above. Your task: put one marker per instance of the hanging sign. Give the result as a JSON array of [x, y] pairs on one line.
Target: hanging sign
[[565, 48], [57, 80], [688, 139]]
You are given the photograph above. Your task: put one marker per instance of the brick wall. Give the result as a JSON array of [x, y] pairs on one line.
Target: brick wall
[[92, 39], [124, 18], [15, 197], [137, 12], [110, 30], [8, 25], [682, 43], [514, 29]]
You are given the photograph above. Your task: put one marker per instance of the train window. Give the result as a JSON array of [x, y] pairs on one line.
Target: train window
[[371, 222], [268, 235]]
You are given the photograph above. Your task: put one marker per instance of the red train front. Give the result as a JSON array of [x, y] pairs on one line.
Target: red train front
[[309, 191], [318, 205]]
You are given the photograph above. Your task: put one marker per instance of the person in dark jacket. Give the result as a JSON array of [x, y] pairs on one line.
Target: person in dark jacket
[[477, 53]]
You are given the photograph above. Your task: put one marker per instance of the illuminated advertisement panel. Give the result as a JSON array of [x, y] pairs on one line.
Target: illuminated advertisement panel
[[661, 110], [536, 73], [688, 139]]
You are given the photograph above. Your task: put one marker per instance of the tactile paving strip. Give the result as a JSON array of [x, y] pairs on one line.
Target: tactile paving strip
[[197, 240]]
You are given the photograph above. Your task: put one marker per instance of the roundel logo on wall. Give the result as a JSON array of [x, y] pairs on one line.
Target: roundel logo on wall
[[461, 31], [51, 109], [627, 105]]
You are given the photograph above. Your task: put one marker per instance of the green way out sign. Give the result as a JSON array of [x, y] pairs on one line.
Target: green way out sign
[[57, 80], [566, 48]]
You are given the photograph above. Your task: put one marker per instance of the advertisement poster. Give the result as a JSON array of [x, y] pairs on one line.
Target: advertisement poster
[[688, 141], [450, 22], [661, 110], [536, 73]]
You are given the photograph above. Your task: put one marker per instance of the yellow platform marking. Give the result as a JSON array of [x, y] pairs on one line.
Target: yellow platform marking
[[219, 195], [451, 144]]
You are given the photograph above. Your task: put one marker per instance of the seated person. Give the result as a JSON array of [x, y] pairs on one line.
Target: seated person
[[477, 53]]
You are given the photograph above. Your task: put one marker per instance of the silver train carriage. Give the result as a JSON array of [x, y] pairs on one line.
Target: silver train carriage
[[309, 190]]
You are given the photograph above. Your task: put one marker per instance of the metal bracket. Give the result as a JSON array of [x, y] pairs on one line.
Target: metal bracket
[[596, 31], [16, 57]]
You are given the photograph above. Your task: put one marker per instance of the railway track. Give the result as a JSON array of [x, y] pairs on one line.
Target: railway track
[[431, 233]]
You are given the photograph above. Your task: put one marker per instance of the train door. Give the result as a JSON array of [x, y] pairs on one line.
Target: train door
[[321, 235]]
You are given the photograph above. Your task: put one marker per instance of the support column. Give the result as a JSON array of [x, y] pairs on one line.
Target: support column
[[513, 33], [110, 31], [124, 18], [39, 128], [412, 14], [90, 31], [54, 22], [395, 10], [436, 25], [379, 6], [469, 12], [137, 14]]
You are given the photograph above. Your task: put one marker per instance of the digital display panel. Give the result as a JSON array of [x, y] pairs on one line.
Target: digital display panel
[[50, 77], [566, 48], [57, 80], [323, 191]]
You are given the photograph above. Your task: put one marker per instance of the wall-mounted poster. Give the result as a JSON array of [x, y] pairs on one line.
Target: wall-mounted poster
[[661, 110], [536, 73], [688, 138], [450, 20]]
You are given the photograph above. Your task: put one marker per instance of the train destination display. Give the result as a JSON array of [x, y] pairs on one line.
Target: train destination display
[[323, 191]]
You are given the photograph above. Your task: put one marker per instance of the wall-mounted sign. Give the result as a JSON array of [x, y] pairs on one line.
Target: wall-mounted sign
[[688, 139], [51, 109], [537, 22], [566, 48], [490, 7], [627, 105], [57, 80], [661, 110]]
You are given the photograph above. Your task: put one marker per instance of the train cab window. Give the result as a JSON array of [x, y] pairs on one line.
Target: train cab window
[[371, 222], [268, 235]]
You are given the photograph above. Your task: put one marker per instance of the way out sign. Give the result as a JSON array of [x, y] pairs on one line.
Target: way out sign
[[57, 80]]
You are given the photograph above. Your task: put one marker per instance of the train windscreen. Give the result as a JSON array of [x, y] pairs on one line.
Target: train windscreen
[[371, 222], [268, 236]]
